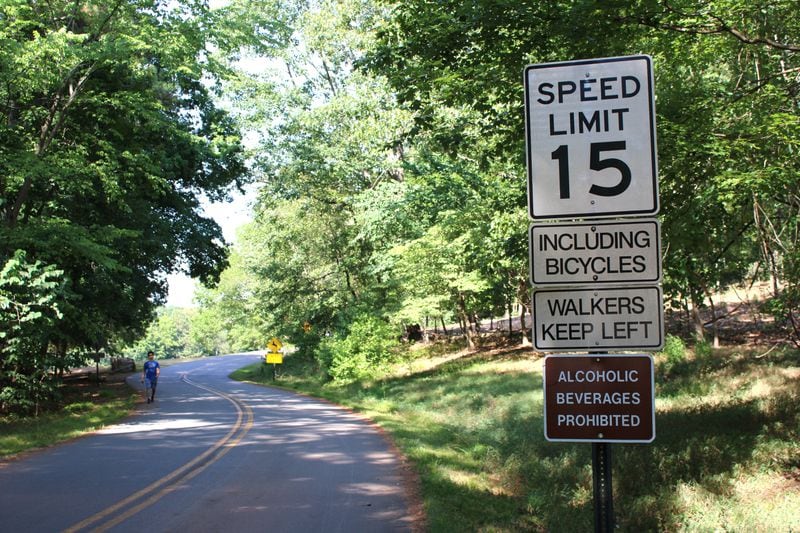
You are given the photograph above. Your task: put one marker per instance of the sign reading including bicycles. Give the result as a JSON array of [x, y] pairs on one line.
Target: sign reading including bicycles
[[591, 141], [595, 253]]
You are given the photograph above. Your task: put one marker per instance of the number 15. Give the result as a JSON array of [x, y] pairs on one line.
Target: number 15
[[561, 154]]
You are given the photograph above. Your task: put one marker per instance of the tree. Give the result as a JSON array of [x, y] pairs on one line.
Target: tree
[[731, 131], [108, 145], [169, 336], [344, 191], [726, 87], [29, 294], [392, 156]]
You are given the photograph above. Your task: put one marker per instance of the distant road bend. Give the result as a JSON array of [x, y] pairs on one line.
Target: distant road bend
[[212, 454]]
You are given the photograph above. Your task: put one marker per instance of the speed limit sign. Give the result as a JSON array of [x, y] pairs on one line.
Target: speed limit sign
[[591, 138]]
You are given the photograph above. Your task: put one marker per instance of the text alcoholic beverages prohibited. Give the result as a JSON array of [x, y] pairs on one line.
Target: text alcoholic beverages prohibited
[[598, 319], [599, 398], [591, 138], [599, 252]]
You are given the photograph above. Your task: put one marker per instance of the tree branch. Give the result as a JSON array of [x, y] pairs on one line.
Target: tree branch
[[717, 27], [51, 126]]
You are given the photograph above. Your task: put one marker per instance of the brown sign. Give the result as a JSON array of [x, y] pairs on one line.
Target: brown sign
[[599, 398]]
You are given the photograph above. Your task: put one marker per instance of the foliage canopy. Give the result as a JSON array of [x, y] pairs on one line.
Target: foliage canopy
[[387, 138], [110, 136]]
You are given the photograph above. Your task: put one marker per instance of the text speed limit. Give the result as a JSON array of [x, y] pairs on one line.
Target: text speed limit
[[591, 138]]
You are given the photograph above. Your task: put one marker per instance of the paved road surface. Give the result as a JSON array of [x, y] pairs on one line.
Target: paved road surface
[[212, 454]]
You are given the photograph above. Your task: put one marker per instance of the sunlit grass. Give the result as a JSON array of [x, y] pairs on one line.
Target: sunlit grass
[[726, 456], [759, 502]]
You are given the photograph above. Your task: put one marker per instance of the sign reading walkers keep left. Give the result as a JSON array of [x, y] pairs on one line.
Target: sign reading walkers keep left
[[599, 319]]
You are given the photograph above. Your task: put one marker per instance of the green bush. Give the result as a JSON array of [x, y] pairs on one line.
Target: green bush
[[675, 352], [30, 294], [364, 353], [703, 349], [674, 349]]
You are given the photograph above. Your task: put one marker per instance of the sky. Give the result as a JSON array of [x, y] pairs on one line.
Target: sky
[[230, 216]]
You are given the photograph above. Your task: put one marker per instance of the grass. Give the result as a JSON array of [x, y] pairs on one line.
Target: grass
[[85, 408], [726, 456]]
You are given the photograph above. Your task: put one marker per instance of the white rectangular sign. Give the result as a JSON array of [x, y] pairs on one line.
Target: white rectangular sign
[[591, 138], [598, 319], [599, 252]]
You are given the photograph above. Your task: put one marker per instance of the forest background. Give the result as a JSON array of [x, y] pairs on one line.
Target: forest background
[[387, 143]]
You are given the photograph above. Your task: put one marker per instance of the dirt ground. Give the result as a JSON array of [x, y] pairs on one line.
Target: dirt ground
[[741, 319]]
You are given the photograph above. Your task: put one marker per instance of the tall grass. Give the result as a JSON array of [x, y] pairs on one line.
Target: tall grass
[[726, 456]]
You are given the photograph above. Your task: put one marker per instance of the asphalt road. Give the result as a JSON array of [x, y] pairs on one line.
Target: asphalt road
[[212, 454]]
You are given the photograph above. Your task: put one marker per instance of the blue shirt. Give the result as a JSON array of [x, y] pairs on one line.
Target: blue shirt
[[150, 369]]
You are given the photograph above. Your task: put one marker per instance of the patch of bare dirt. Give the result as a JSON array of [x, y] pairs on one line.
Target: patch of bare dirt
[[739, 317]]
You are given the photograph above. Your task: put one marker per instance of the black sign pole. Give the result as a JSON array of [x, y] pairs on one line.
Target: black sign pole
[[603, 494], [603, 490]]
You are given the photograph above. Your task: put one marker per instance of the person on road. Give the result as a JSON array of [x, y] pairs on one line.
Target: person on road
[[150, 372]]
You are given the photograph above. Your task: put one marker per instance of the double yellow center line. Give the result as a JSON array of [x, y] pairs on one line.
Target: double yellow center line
[[135, 503]]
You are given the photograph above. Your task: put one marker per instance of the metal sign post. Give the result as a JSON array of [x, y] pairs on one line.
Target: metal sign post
[[603, 495], [591, 153], [600, 398]]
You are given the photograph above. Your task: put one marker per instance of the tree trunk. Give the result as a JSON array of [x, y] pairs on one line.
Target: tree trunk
[[714, 324], [697, 321], [510, 318], [765, 236], [464, 317], [526, 340], [350, 285], [524, 296]]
